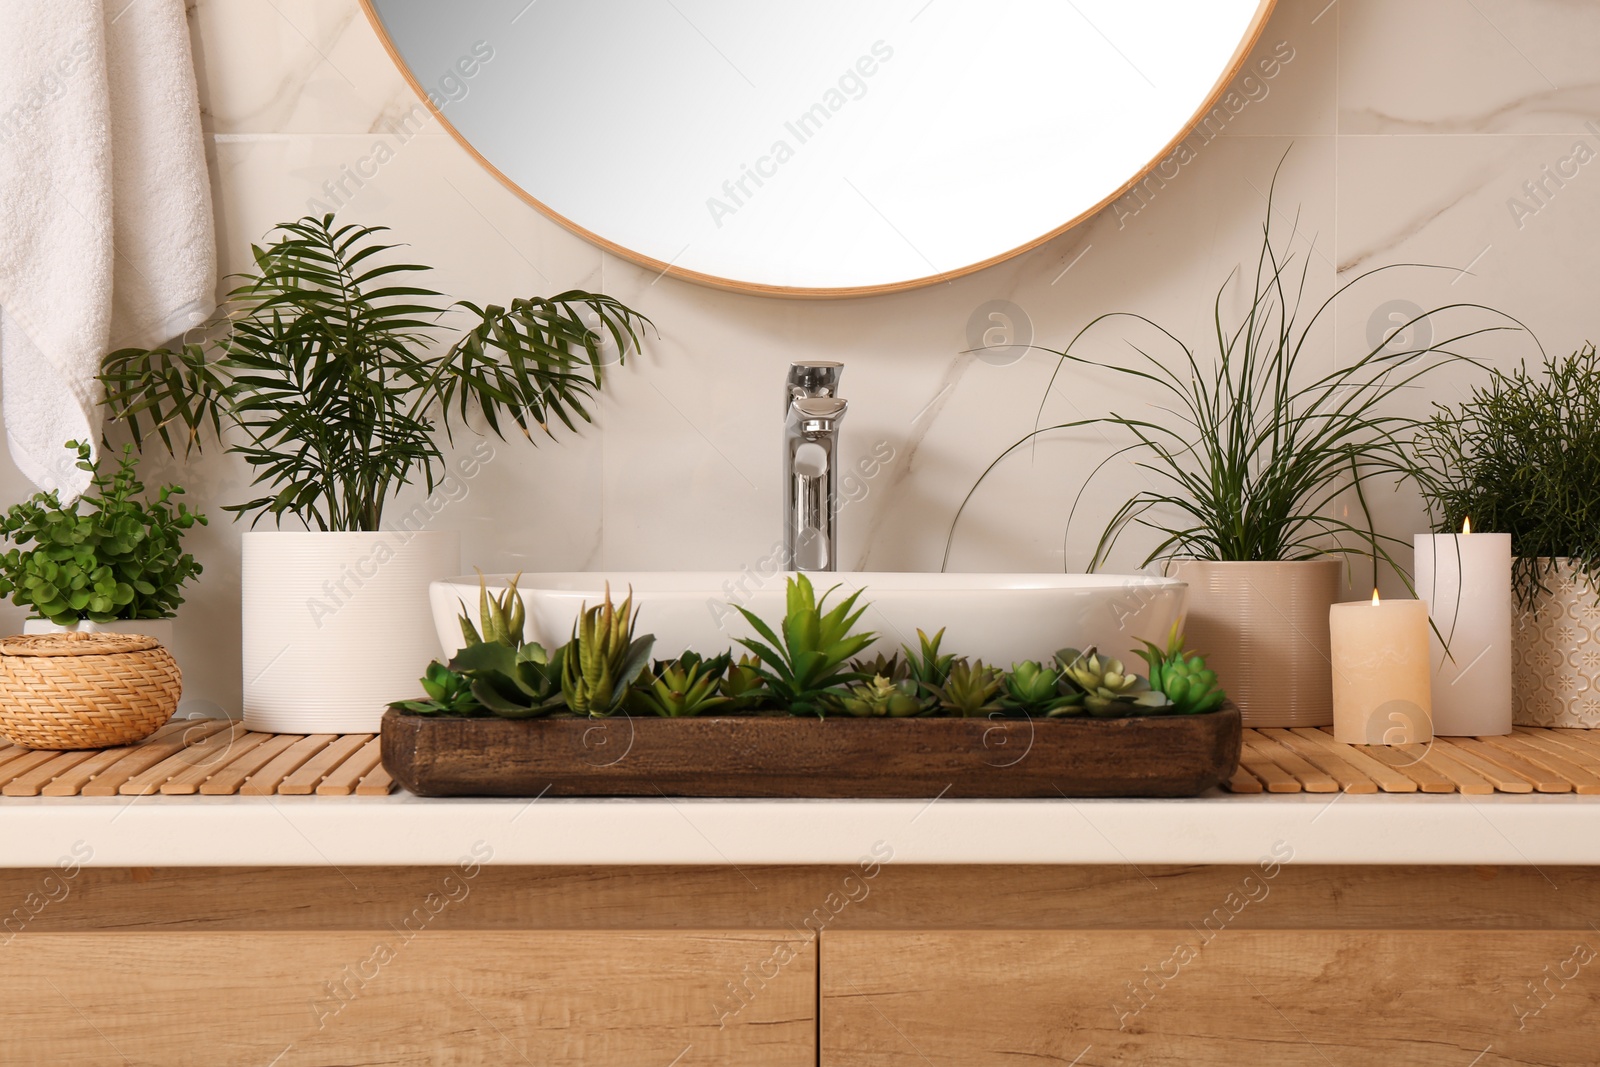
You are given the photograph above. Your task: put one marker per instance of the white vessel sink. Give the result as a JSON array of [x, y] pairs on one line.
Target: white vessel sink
[[1000, 618]]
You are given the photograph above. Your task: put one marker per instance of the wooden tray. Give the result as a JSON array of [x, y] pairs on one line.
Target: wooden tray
[[780, 756]]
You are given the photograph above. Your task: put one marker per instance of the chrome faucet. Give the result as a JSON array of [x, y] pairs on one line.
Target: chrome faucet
[[812, 412]]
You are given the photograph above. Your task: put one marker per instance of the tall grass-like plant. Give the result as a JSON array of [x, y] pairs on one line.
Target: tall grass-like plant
[[1522, 456], [1258, 445], [329, 368]]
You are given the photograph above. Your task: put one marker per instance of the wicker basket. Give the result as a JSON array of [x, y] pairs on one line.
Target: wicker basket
[[85, 690]]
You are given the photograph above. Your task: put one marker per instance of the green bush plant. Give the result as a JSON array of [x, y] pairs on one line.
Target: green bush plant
[[110, 555]]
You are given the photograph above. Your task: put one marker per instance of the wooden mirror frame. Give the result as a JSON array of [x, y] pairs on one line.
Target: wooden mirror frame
[[1258, 25]]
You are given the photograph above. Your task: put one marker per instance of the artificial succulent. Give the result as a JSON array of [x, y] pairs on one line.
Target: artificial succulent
[[970, 690], [926, 666], [680, 689], [603, 659], [743, 684], [513, 683], [1182, 676], [811, 657], [500, 618], [448, 693], [881, 697], [1108, 688], [1040, 689]]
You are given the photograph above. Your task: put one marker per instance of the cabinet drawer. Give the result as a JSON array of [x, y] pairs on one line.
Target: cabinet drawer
[[594, 999], [1198, 997]]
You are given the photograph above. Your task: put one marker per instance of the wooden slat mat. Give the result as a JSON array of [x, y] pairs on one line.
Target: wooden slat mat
[[1529, 760], [209, 757]]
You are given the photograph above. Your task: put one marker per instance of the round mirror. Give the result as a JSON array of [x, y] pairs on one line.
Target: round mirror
[[825, 148]]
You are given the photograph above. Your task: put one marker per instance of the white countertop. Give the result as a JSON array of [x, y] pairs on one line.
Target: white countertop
[[405, 830]]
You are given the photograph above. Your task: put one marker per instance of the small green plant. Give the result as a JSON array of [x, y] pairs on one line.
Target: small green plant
[[514, 683], [1041, 689], [1252, 449], [1108, 688], [1189, 686], [603, 659], [500, 618], [497, 672], [447, 692], [810, 658], [881, 697], [681, 689], [743, 684], [927, 667], [328, 373], [122, 558], [970, 690], [1521, 455]]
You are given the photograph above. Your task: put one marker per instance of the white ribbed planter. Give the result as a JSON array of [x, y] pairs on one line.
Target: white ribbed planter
[[336, 625]]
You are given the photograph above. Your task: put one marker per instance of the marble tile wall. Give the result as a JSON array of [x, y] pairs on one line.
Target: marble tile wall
[[1411, 127]]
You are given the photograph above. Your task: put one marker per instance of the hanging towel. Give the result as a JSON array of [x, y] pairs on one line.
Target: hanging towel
[[106, 236]]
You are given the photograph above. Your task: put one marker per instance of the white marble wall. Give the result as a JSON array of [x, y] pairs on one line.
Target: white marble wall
[[1413, 124]]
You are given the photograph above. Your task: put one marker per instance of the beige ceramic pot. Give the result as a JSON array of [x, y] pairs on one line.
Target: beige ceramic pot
[[1555, 654], [1263, 627]]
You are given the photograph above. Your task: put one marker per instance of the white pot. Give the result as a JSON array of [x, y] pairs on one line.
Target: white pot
[[336, 625], [160, 629], [1555, 654]]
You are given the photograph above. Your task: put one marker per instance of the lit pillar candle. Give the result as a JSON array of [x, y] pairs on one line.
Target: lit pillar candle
[[1465, 579], [1381, 680]]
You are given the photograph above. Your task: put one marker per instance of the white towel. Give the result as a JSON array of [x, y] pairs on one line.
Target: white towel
[[106, 236]]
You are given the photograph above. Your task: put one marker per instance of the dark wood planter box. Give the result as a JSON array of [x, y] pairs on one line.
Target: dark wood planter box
[[779, 756]]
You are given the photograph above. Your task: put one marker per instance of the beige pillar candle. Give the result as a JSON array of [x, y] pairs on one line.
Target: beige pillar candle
[[1381, 679], [1465, 579]]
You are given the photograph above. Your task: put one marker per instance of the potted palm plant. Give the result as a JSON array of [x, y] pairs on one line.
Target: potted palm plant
[[112, 560], [1522, 456], [1252, 472], [329, 381]]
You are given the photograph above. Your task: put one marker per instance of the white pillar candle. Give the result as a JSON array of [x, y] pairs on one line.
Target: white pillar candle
[[1381, 681], [1465, 579]]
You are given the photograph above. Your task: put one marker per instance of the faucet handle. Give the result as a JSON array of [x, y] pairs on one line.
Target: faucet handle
[[812, 378]]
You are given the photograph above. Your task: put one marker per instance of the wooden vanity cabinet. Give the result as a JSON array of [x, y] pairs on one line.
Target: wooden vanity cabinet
[[964, 966]]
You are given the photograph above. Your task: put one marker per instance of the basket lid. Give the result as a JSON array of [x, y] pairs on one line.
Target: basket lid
[[75, 644]]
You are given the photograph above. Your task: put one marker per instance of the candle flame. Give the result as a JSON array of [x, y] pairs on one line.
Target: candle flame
[[1466, 525], [1374, 598]]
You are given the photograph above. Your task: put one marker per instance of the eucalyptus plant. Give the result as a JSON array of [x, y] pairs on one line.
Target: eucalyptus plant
[[329, 366], [1521, 455], [1256, 444]]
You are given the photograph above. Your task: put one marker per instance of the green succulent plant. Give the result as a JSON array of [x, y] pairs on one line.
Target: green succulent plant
[[1039, 689], [743, 683], [500, 618], [880, 666], [520, 683], [1182, 676], [926, 666], [970, 690], [1108, 687], [122, 558], [811, 657], [879, 698], [448, 693], [680, 690], [603, 659]]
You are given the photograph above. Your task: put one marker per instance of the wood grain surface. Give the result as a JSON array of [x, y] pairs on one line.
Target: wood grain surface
[[1189, 997], [408, 996], [771, 756]]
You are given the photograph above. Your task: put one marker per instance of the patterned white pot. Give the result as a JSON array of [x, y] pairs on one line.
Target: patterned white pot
[[1555, 655], [336, 625]]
